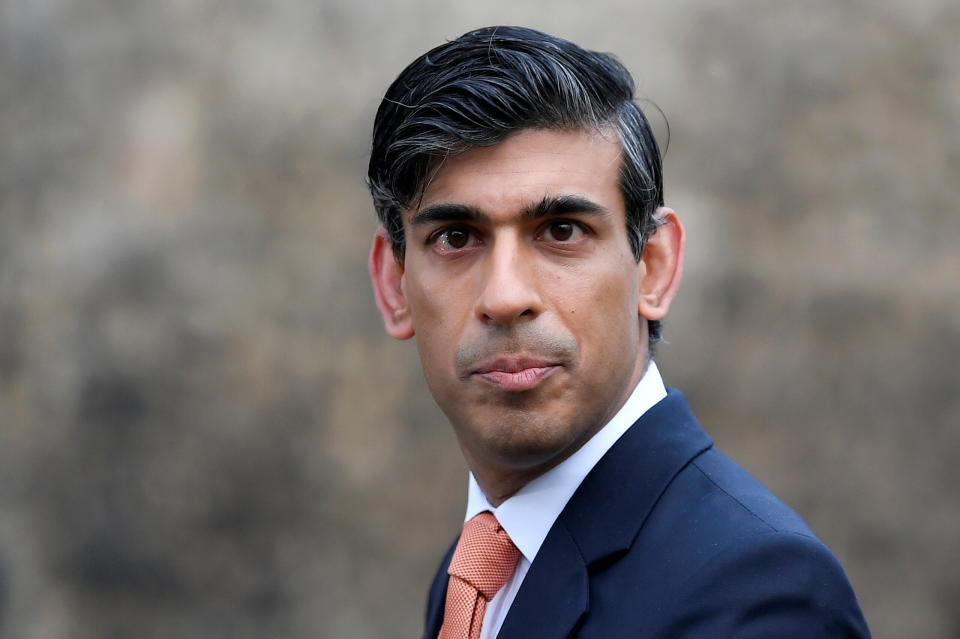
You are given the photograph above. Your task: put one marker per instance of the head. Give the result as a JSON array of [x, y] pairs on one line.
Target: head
[[518, 185], [489, 83]]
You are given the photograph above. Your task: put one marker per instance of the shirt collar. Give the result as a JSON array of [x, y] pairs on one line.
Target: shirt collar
[[529, 514]]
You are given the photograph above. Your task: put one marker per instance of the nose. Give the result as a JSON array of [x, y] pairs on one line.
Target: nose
[[510, 291]]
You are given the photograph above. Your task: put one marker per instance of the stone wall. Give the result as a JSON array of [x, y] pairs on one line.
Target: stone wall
[[203, 430]]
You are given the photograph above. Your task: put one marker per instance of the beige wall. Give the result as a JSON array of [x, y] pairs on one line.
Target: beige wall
[[204, 432]]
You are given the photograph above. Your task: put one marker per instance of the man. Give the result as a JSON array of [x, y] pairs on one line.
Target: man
[[526, 245]]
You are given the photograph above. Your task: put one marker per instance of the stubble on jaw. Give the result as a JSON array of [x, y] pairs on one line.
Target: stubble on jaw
[[526, 439]]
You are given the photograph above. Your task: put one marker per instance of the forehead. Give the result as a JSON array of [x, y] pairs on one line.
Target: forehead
[[529, 165]]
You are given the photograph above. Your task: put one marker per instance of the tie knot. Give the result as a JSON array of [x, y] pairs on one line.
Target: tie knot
[[485, 557]]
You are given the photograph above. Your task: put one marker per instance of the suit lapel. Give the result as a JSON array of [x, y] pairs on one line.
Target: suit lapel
[[607, 511], [438, 596], [554, 594], [604, 517]]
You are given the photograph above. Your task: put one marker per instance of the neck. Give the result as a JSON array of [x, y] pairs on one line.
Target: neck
[[499, 487], [499, 482]]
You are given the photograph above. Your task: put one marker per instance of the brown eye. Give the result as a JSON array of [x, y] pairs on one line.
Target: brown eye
[[562, 231], [453, 239], [457, 238]]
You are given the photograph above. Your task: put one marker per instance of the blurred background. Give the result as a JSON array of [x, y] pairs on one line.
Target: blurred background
[[204, 431]]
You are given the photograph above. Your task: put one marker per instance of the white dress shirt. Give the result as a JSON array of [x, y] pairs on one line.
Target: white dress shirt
[[529, 515]]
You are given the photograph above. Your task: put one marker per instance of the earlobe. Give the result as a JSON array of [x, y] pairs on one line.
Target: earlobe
[[663, 266], [387, 275]]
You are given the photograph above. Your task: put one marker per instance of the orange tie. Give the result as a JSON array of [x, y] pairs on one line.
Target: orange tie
[[484, 560]]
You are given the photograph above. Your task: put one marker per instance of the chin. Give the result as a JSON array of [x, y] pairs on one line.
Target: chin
[[525, 441]]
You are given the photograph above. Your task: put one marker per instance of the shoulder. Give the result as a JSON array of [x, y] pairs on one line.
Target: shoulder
[[746, 564], [731, 488], [770, 584]]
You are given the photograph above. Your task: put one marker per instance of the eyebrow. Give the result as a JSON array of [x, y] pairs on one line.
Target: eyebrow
[[548, 206], [553, 205], [446, 212]]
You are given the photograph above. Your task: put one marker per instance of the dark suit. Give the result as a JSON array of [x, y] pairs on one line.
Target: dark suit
[[669, 538]]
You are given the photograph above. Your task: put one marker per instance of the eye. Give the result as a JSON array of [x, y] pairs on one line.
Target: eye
[[563, 231], [455, 238]]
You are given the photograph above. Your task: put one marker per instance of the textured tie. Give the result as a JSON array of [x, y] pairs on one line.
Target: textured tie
[[484, 560]]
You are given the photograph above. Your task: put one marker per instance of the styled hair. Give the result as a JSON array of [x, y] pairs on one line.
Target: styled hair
[[478, 89]]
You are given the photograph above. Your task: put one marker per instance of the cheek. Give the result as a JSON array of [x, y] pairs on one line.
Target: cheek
[[601, 304], [433, 306], [437, 313]]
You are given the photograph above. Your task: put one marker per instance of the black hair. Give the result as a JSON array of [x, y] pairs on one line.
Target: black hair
[[478, 89]]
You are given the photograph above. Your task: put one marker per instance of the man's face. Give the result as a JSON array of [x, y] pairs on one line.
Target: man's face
[[523, 294]]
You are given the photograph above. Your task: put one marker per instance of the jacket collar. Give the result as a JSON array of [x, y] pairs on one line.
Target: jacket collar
[[606, 513], [604, 517]]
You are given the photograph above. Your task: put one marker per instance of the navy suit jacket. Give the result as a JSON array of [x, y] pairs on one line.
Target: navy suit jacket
[[669, 538]]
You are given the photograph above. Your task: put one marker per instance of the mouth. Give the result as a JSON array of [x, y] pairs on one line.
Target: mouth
[[515, 374]]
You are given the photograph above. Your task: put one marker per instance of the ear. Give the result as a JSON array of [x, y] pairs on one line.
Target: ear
[[663, 266], [387, 275]]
